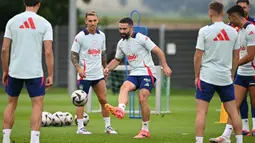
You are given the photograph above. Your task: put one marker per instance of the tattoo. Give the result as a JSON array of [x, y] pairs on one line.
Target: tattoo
[[75, 59], [104, 59]]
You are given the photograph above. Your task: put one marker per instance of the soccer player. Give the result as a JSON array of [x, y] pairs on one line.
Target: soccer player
[[245, 4], [25, 33], [244, 80], [89, 57], [215, 62], [137, 48]]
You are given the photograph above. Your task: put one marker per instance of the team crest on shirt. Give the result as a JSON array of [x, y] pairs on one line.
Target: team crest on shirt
[[132, 57]]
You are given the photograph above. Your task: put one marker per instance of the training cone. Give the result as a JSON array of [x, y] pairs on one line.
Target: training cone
[[223, 115]]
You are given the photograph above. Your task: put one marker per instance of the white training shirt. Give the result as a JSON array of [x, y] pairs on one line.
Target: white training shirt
[[246, 38], [27, 31], [90, 48], [218, 42], [137, 49]]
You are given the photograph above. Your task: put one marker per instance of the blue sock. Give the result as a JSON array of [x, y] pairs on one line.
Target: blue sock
[[244, 109]]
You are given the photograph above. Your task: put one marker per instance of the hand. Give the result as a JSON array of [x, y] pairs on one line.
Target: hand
[[49, 82], [81, 72], [5, 78], [196, 80], [167, 71], [106, 72]]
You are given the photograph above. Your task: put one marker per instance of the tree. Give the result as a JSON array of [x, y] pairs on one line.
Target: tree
[[55, 11]]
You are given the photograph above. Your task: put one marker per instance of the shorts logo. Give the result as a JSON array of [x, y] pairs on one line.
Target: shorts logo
[[147, 80], [81, 87], [147, 84]]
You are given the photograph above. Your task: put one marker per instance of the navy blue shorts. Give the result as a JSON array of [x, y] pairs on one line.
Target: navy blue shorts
[[142, 82], [86, 84], [35, 86], [244, 81], [205, 91]]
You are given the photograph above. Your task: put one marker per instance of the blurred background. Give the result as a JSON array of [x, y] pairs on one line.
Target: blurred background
[[172, 24]]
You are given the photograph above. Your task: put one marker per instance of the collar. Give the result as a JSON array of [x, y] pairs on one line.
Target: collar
[[86, 32], [246, 24], [133, 35]]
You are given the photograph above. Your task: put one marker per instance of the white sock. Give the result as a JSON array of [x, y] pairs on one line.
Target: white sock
[[35, 137], [228, 131], [145, 126], [6, 135], [199, 139], [107, 121], [80, 123], [245, 123], [239, 138], [122, 106], [253, 123]]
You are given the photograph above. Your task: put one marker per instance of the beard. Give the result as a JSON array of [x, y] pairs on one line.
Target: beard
[[125, 35]]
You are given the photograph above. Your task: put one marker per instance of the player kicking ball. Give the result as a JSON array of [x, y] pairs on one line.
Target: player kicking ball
[[137, 48]]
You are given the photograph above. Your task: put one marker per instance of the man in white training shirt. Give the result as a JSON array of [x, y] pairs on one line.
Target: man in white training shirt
[[244, 80], [137, 48], [26, 33], [89, 58], [215, 62]]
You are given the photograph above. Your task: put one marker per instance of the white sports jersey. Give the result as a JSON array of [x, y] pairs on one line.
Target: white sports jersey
[[246, 38], [137, 49], [90, 47], [27, 31], [218, 42]]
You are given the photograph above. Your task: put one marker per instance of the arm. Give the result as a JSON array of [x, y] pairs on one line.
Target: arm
[[75, 61], [5, 58], [5, 54], [160, 55], [104, 59], [113, 64], [49, 57], [197, 62], [234, 62], [249, 57]]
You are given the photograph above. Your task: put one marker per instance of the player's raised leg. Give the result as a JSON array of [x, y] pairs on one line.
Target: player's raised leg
[[123, 99], [100, 90]]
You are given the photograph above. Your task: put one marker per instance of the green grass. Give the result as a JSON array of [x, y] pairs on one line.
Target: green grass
[[177, 127]]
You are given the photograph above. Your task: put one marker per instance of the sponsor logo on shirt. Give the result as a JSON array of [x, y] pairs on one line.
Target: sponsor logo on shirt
[[132, 57], [94, 51]]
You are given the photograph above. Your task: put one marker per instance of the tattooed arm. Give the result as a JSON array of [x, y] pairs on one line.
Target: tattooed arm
[[104, 59], [75, 61]]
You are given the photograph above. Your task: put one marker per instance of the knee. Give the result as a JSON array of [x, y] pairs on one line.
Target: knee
[[102, 101], [124, 88], [143, 98]]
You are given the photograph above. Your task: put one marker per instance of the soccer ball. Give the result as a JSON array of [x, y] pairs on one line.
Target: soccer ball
[[68, 118], [79, 98], [58, 119], [46, 119], [85, 119]]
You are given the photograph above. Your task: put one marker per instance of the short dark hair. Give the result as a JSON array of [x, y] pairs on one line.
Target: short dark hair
[[31, 2], [246, 1], [127, 20], [217, 7], [236, 9]]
